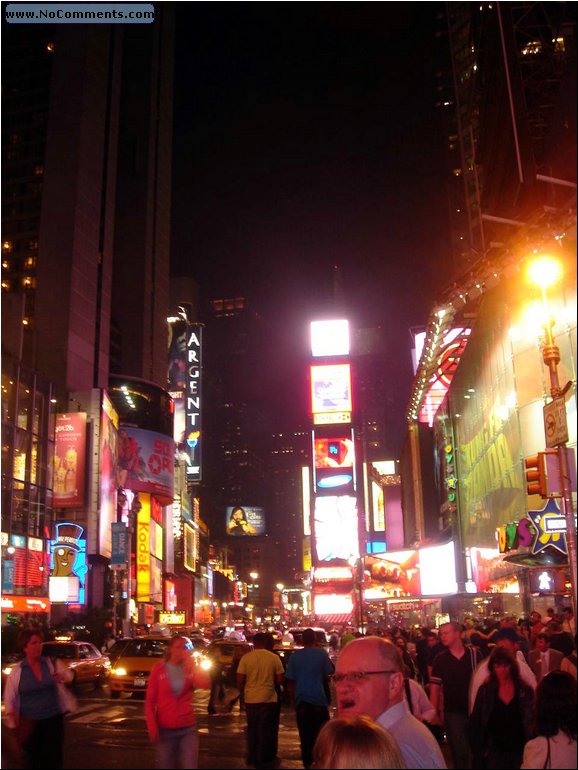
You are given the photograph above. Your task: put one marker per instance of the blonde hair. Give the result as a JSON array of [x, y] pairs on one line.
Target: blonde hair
[[355, 743]]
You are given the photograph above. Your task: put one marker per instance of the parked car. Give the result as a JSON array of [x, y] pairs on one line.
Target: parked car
[[131, 669], [85, 661], [8, 663]]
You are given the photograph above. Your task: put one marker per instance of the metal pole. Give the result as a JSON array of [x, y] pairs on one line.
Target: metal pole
[[551, 355], [114, 601]]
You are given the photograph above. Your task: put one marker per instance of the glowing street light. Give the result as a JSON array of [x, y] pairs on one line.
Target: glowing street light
[[543, 273], [254, 576], [279, 586]]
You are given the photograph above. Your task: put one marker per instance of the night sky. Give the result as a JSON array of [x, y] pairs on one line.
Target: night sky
[[307, 137]]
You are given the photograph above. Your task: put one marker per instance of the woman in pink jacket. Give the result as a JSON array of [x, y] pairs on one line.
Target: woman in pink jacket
[[170, 715]]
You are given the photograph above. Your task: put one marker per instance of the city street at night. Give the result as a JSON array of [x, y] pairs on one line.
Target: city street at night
[[288, 384], [112, 734]]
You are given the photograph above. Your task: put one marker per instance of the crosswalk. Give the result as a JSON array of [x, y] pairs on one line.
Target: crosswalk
[[105, 713]]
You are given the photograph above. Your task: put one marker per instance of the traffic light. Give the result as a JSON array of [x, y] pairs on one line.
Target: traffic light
[[536, 483]]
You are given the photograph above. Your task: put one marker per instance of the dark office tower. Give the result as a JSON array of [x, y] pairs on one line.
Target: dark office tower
[[86, 140], [510, 92], [140, 290], [86, 163], [376, 383], [236, 428], [290, 452]]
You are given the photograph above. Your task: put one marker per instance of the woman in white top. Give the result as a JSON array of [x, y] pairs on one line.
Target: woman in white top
[[555, 724]]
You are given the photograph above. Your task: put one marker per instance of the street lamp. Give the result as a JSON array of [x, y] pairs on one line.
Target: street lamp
[[544, 272]]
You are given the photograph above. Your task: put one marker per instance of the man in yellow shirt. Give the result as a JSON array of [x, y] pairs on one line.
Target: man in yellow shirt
[[258, 673]]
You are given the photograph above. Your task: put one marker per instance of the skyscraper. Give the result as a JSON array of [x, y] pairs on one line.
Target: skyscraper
[[86, 145]]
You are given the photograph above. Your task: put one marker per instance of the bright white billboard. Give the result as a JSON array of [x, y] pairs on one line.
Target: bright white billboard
[[335, 527], [329, 338]]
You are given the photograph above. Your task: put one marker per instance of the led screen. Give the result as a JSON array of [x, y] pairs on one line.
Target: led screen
[[332, 604], [421, 572], [335, 527], [244, 520], [334, 481], [331, 388], [334, 453], [378, 507], [329, 338]]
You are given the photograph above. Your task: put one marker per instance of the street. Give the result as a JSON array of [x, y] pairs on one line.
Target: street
[[112, 734]]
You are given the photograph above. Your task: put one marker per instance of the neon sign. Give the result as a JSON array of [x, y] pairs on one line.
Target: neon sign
[[193, 403]]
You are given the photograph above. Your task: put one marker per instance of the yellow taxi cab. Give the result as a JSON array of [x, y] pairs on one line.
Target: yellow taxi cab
[[84, 660], [131, 669], [221, 653]]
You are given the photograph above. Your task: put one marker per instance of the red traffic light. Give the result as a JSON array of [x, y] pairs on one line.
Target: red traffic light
[[536, 483]]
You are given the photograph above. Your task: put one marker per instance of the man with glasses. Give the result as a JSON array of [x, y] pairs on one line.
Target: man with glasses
[[369, 681]]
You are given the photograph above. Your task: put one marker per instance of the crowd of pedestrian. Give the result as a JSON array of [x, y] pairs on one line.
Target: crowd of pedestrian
[[485, 694]]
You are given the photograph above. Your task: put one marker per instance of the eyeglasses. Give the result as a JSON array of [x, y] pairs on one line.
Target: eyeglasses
[[359, 677]]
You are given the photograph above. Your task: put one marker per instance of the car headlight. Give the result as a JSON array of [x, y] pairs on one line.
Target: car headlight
[[119, 671], [106, 662], [206, 664], [7, 670]]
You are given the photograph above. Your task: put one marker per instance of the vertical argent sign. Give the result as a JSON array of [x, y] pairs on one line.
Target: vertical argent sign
[[193, 402]]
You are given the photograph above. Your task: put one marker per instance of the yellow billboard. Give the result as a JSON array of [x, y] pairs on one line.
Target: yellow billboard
[[143, 550]]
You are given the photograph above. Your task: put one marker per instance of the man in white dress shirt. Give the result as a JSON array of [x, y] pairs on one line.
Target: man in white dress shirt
[[369, 681]]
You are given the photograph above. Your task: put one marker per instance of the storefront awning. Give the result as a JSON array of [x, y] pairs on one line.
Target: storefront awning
[[335, 619]]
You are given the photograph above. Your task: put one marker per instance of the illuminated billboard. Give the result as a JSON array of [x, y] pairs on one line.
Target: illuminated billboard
[[68, 565], [143, 551], [334, 453], [108, 474], [335, 481], [146, 462], [331, 389], [329, 338], [69, 460], [378, 507], [333, 604], [335, 528], [420, 572], [245, 521]]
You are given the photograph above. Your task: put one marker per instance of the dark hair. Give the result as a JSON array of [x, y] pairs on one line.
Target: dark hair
[[309, 636], [543, 635], [500, 655], [26, 635], [261, 639], [553, 625], [556, 705]]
